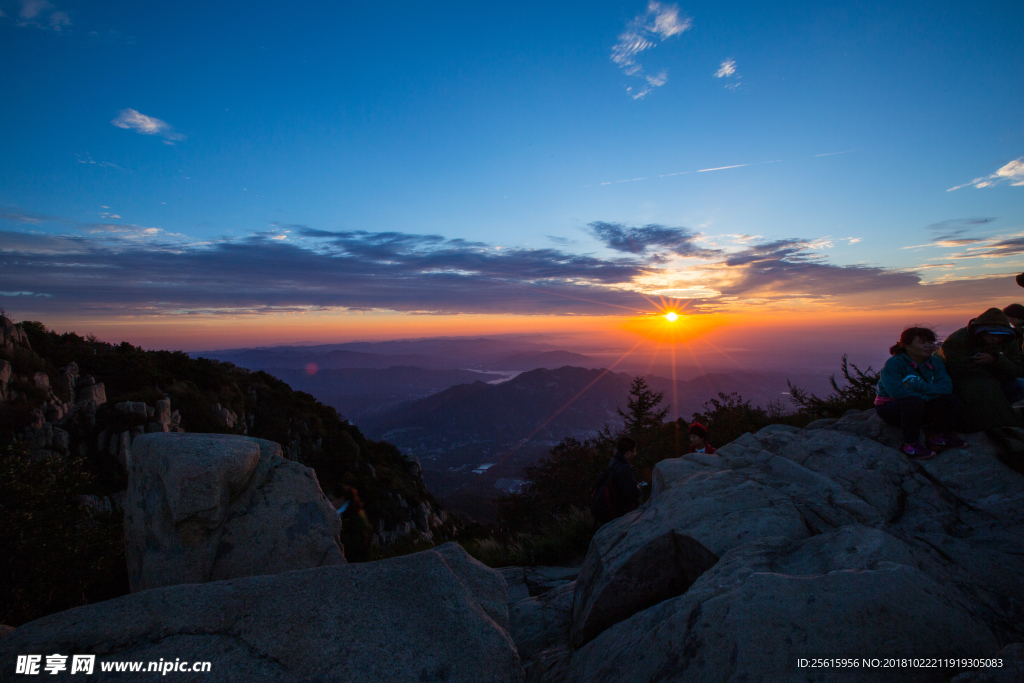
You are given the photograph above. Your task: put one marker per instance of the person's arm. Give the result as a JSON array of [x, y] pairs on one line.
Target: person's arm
[[891, 379], [1009, 363], [941, 383]]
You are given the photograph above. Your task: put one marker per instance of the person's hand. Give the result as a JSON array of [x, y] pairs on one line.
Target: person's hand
[[983, 359]]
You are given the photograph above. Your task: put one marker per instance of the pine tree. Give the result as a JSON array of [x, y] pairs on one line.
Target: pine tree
[[642, 409]]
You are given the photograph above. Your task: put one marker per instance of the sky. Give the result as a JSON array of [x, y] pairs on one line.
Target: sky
[[185, 175]]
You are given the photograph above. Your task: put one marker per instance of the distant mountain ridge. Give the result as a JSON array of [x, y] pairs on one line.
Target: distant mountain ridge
[[541, 405], [437, 354], [357, 393], [480, 420]]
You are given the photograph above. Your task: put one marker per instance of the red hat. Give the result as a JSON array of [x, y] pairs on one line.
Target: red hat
[[699, 429]]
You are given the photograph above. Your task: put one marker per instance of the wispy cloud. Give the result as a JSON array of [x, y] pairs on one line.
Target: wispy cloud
[[953, 232], [727, 70], [720, 168], [89, 160], [643, 33], [995, 247], [131, 119], [650, 239], [41, 14], [702, 170], [1012, 173]]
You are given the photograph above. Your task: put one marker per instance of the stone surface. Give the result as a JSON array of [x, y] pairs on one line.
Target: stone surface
[[872, 552], [515, 579], [120, 450], [96, 393], [136, 408], [656, 552], [206, 507], [162, 414], [540, 580], [66, 382], [5, 377], [538, 623], [851, 593], [420, 617], [41, 381]]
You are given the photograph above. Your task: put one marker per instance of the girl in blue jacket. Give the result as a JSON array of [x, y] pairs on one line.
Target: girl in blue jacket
[[914, 391]]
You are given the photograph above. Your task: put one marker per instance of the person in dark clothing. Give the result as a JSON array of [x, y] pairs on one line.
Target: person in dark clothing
[[625, 493], [699, 439], [617, 491], [986, 364], [914, 391]]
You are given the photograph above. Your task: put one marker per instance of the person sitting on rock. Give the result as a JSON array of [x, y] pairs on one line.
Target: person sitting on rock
[[914, 391], [699, 439], [986, 363]]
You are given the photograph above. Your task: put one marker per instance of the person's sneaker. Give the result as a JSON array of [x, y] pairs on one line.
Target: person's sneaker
[[917, 451], [949, 440]]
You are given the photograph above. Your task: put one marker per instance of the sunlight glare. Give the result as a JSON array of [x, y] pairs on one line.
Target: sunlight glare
[[671, 316]]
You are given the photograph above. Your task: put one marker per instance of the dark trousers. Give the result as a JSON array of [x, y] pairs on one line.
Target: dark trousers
[[911, 413]]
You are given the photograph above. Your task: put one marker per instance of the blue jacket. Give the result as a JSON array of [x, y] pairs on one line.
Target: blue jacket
[[926, 382]]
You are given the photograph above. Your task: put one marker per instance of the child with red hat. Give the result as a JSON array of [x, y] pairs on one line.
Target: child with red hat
[[699, 439]]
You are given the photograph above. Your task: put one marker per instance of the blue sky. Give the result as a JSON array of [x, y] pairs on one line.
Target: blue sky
[[239, 134]]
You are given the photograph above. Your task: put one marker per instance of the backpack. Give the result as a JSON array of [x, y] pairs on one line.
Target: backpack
[[601, 499]]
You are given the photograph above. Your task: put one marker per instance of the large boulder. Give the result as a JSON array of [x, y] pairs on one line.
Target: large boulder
[[206, 507], [853, 592], [437, 615], [794, 543], [657, 552]]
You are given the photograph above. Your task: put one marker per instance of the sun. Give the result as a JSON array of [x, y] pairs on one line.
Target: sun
[[671, 316]]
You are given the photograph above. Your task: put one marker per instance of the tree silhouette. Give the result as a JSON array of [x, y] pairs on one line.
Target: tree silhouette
[[642, 409]]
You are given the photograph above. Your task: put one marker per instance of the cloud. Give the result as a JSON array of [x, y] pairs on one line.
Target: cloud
[[42, 14], [997, 247], [951, 233], [30, 9], [128, 269], [643, 33], [727, 70], [649, 239], [784, 269], [1012, 173], [104, 164], [354, 269], [131, 119]]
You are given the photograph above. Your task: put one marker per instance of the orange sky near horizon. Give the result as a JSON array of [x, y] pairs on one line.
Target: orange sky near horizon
[[771, 325], [750, 333]]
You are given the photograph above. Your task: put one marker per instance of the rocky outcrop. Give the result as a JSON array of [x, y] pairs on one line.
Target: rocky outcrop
[[5, 378], [794, 543], [12, 336], [437, 615], [540, 607], [206, 507]]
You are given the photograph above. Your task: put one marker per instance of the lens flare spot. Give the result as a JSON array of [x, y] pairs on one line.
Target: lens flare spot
[[312, 369]]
